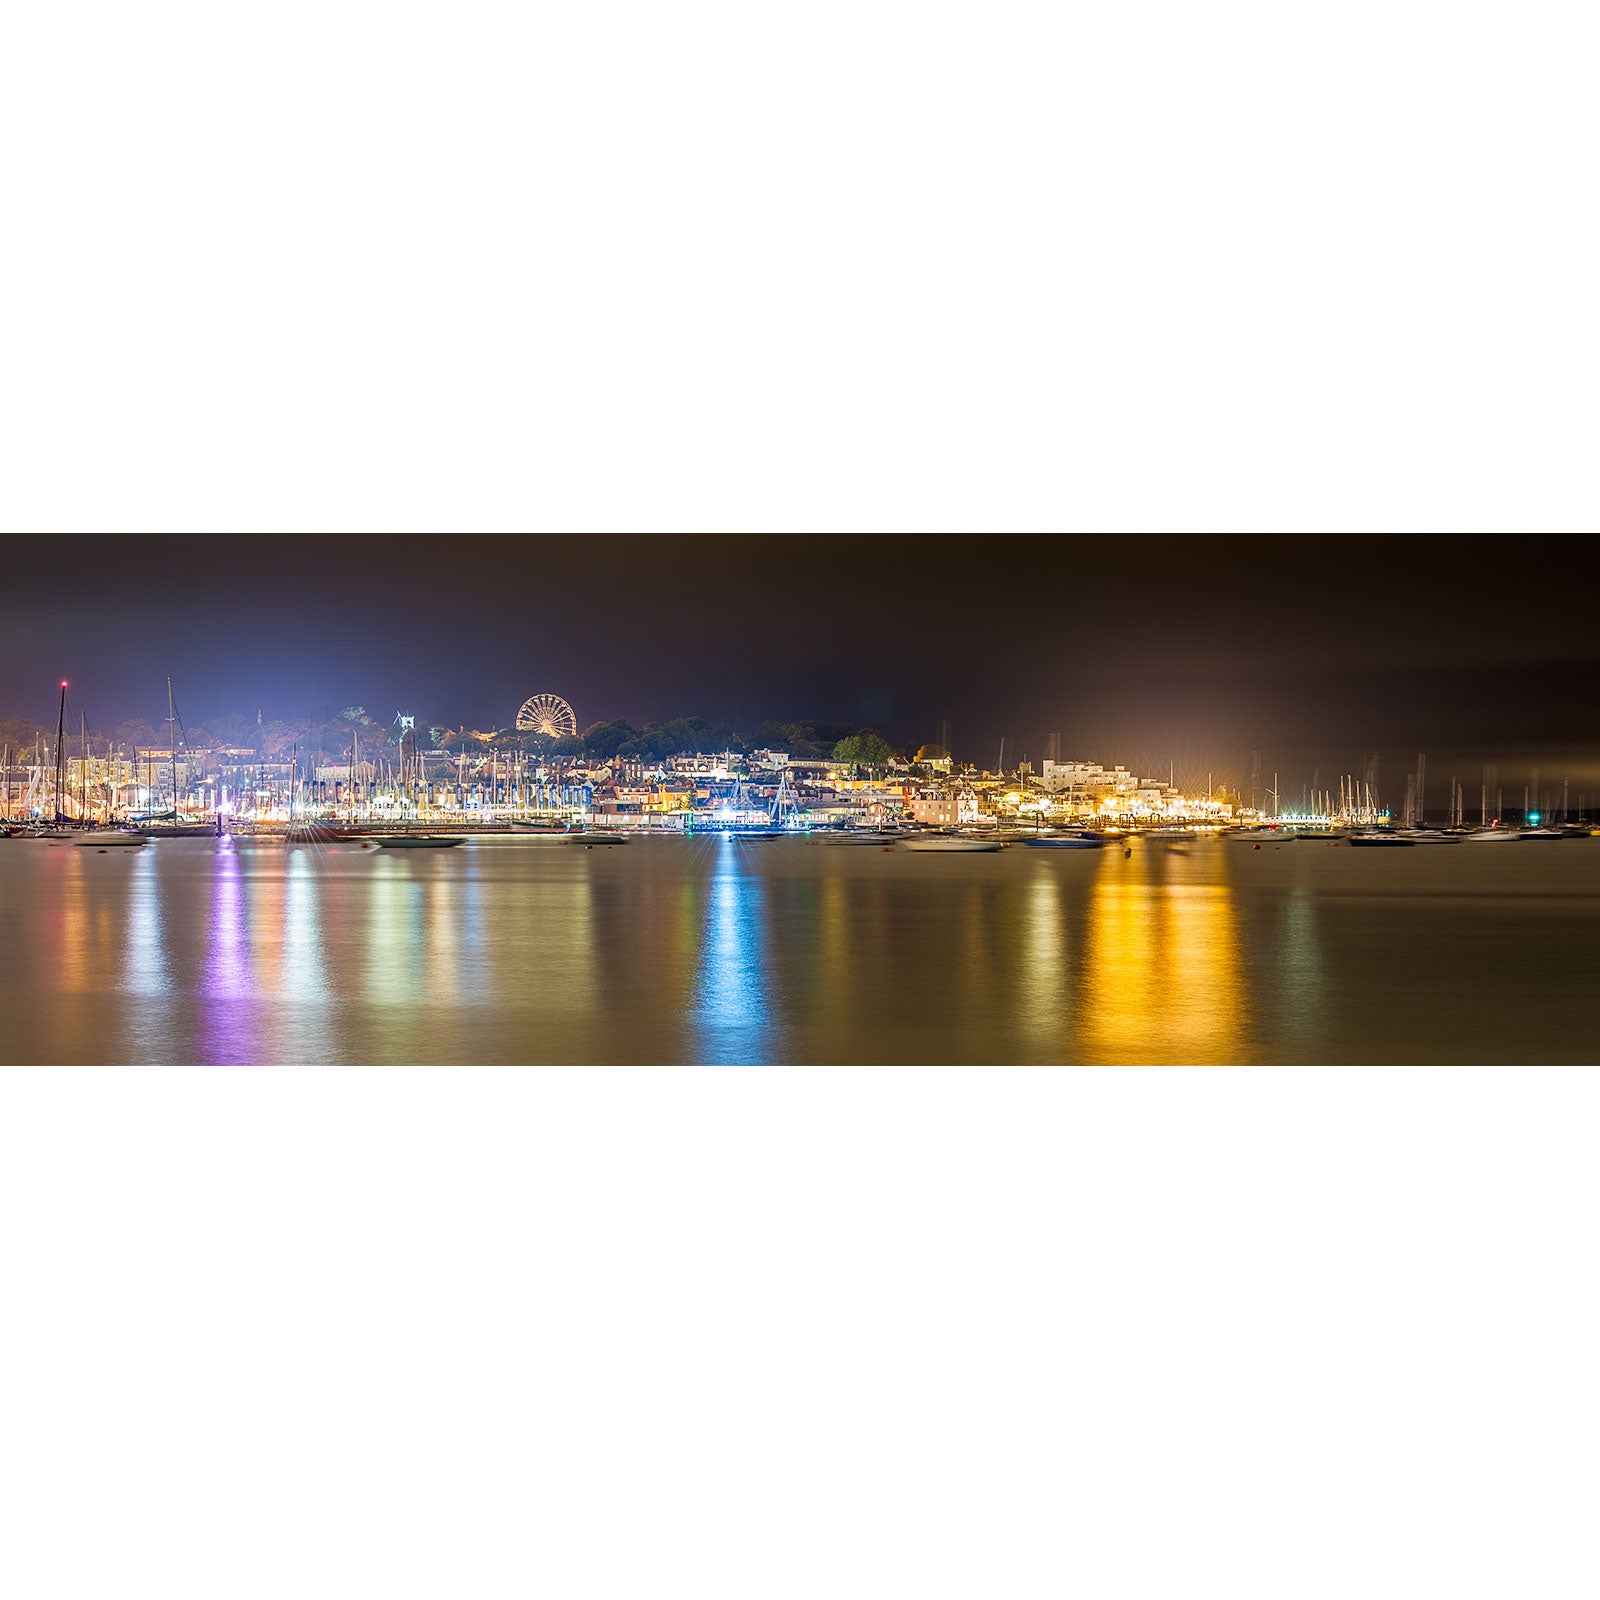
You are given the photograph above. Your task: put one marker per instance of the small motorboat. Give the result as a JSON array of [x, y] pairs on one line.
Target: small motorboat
[[417, 841], [952, 842], [1080, 839], [101, 837], [595, 836], [1432, 836], [1379, 836]]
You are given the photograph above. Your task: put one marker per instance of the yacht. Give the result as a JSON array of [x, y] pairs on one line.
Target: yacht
[[1380, 836], [952, 842], [101, 837]]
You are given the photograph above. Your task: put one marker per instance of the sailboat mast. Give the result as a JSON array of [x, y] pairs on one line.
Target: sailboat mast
[[61, 732], [172, 748]]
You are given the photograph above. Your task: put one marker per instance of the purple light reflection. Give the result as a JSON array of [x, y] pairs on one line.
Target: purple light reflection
[[227, 981]]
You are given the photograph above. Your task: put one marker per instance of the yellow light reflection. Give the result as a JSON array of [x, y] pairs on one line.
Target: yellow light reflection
[[1043, 981], [74, 962], [1162, 981]]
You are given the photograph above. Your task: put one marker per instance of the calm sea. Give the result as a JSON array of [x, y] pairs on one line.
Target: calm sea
[[711, 950]]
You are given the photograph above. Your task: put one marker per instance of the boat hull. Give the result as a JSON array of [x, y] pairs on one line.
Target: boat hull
[[100, 838], [419, 841]]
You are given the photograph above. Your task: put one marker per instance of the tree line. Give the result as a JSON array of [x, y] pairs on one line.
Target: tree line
[[601, 741]]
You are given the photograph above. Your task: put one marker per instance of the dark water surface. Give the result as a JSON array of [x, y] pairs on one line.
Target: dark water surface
[[200, 950]]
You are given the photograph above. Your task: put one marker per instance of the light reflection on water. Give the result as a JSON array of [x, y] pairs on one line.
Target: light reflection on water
[[145, 956], [1044, 981], [227, 989], [711, 950], [732, 1020]]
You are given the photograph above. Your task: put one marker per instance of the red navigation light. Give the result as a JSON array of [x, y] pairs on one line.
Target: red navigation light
[[63, 683]]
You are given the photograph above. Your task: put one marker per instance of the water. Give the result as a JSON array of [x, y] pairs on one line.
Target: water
[[719, 951]]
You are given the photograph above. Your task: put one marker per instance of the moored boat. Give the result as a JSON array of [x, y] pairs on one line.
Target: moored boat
[[417, 841], [952, 842], [317, 833], [1379, 836], [101, 837]]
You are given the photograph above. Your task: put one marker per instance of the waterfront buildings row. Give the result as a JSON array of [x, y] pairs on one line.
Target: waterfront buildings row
[[241, 783]]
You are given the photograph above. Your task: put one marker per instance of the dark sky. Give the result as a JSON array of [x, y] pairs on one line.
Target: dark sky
[[1149, 650]]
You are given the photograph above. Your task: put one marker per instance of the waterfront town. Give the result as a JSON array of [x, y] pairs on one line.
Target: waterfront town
[[238, 775], [244, 776]]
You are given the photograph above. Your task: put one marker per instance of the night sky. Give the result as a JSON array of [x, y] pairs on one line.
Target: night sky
[[1152, 651]]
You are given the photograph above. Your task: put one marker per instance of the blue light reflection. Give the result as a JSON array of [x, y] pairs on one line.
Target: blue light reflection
[[732, 1018]]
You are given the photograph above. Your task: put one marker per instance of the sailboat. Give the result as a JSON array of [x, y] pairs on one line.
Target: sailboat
[[108, 835], [407, 840], [169, 825], [57, 827]]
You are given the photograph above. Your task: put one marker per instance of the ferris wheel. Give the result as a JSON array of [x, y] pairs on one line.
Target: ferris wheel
[[548, 714]]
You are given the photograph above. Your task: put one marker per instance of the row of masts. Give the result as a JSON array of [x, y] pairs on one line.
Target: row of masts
[[1357, 800]]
